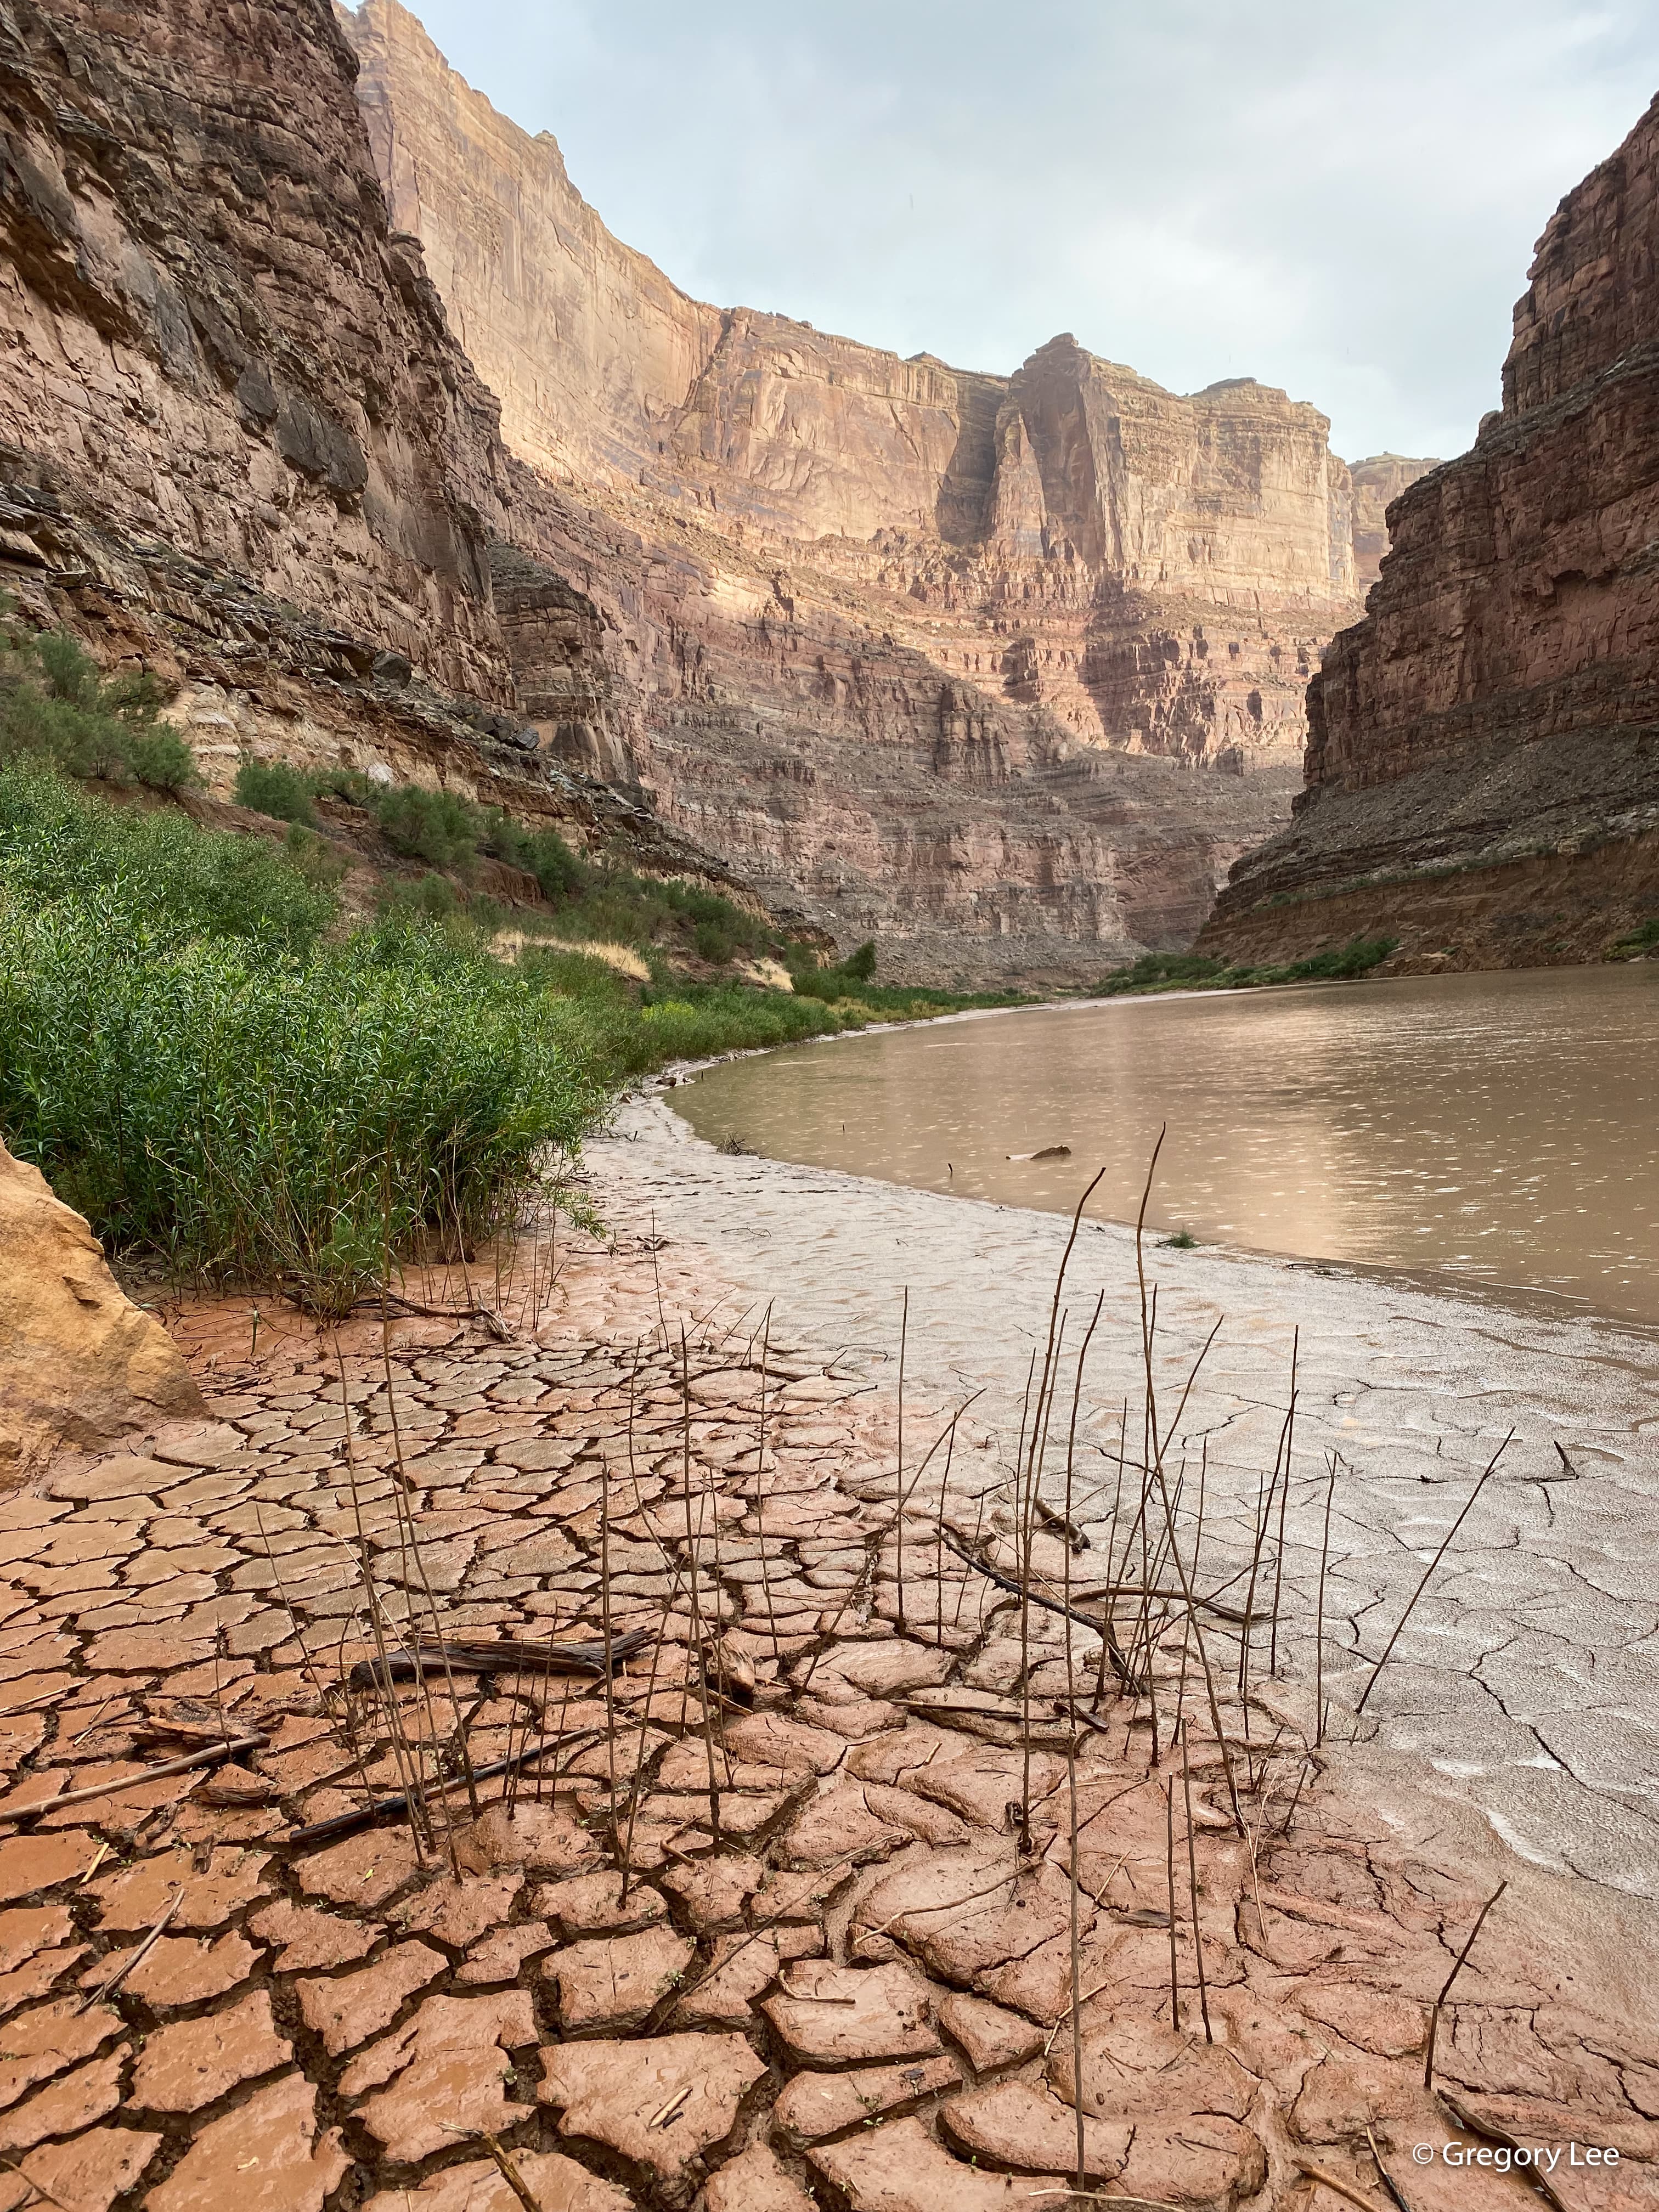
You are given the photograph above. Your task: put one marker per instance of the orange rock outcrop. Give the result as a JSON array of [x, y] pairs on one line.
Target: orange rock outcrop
[[79, 1363]]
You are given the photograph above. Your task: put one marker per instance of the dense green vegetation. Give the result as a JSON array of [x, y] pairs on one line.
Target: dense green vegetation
[[1196, 971], [199, 1068], [601, 901], [57, 708], [206, 1059], [1637, 944]]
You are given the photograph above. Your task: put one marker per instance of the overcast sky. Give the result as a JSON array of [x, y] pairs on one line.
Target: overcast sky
[[1338, 198]]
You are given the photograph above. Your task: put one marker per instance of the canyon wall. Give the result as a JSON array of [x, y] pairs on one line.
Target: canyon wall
[[238, 446], [1482, 772], [1005, 670], [1377, 481]]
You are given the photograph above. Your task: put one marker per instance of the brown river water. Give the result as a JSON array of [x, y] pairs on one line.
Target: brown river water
[[1500, 1129]]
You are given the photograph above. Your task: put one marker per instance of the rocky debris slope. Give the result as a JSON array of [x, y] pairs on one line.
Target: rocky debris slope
[[913, 638], [1483, 757], [788, 1919], [79, 1362]]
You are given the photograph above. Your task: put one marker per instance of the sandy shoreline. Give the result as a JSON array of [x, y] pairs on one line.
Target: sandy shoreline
[[1525, 1691]]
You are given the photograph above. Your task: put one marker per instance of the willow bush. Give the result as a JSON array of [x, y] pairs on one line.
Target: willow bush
[[195, 1066]]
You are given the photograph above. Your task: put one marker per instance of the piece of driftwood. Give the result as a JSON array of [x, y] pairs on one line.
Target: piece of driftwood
[[397, 1805], [435, 1655], [208, 1757]]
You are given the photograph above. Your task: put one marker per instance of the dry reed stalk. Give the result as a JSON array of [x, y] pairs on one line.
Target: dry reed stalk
[[1108, 1639], [877, 1539], [406, 1526], [604, 1589], [1192, 1878], [1434, 2015], [1296, 1796], [696, 1599], [1319, 1624], [1168, 1876], [1070, 1768], [1445, 1544], [1263, 1522], [760, 1491], [904, 1340], [1197, 1633], [402, 1753], [1283, 1500], [1026, 1530]]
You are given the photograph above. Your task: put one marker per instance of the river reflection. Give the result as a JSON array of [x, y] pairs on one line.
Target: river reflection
[[1502, 1128]]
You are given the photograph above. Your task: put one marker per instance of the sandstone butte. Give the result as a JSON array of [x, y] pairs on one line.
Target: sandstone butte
[[1483, 755], [1006, 669]]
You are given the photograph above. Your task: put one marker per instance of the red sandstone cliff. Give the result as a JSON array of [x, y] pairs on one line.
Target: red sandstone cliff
[[238, 443], [1483, 756], [1005, 669], [940, 651]]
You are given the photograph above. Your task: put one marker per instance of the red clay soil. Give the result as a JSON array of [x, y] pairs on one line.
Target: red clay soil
[[790, 1924]]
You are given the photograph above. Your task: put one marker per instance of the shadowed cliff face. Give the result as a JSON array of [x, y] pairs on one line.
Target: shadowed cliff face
[[210, 339], [1495, 717], [955, 656]]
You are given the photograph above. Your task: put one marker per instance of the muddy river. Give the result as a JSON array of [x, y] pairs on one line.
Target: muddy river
[[1500, 1129]]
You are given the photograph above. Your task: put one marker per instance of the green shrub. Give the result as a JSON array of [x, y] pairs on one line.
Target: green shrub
[[1197, 971], [155, 875], [272, 788], [860, 964], [1636, 944], [159, 757], [540, 853], [295, 1120], [347, 783], [431, 898], [439, 827], [56, 707]]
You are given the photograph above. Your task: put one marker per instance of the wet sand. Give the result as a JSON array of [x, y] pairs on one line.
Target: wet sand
[[1524, 1695]]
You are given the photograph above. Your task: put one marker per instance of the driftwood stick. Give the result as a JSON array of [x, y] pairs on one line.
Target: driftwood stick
[[385, 1809], [112, 1982], [210, 1757]]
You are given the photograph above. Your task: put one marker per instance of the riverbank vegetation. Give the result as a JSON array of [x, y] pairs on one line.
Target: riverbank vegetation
[[1196, 971], [231, 1073]]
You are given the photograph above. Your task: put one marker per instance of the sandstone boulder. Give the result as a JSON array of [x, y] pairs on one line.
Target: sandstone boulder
[[79, 1363]]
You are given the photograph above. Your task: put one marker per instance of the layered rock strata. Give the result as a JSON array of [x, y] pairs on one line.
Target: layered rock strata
[[240, 445], [1483, 760], [923, 642]]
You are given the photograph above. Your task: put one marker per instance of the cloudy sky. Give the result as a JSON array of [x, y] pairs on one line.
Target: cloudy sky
[[1339, 198]]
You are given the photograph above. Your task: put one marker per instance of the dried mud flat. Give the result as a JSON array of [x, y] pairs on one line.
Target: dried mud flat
[[796, 1915]]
